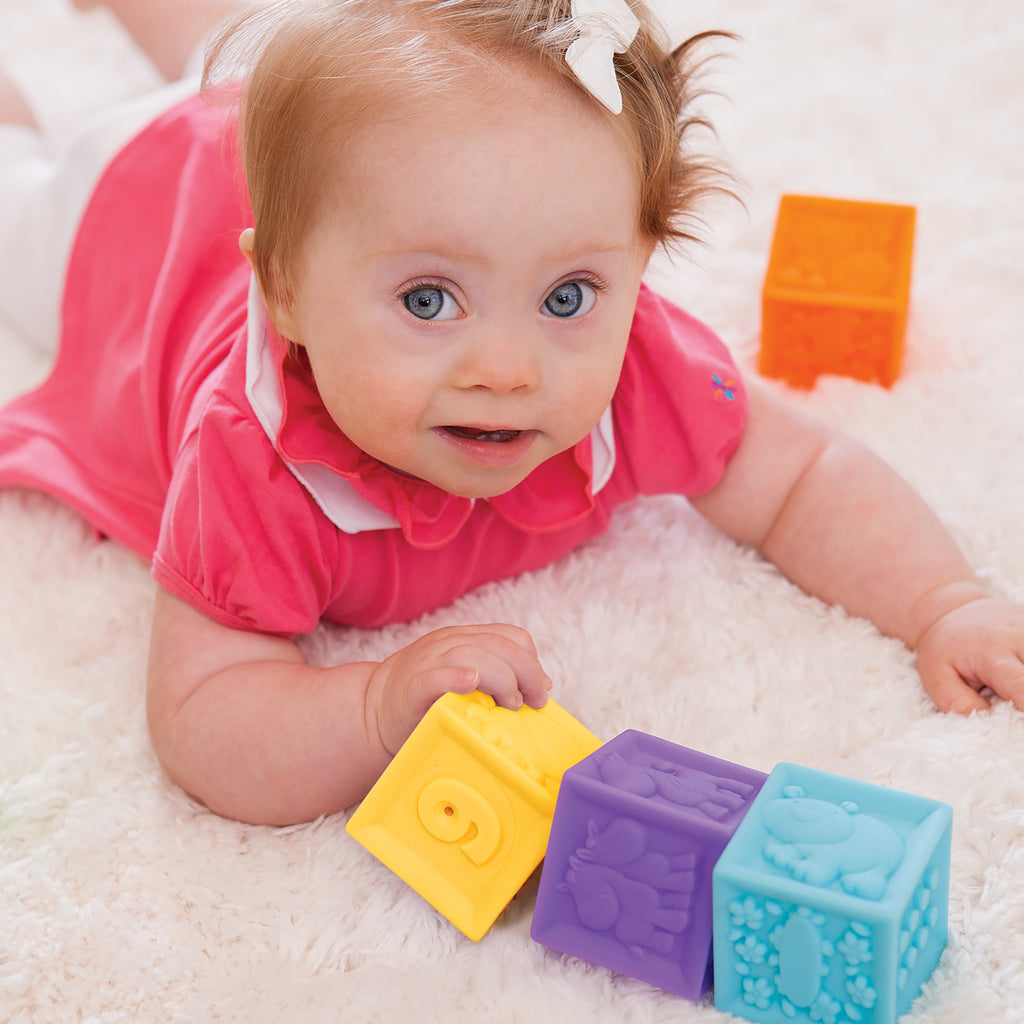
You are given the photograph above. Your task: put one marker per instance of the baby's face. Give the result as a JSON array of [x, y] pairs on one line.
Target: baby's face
[[467, 291]]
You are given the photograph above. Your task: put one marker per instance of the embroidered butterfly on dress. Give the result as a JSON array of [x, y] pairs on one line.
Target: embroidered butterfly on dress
[[724, 389]]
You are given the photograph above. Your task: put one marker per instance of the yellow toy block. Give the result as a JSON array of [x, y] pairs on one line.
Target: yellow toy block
[[837, 289], [463, 812]]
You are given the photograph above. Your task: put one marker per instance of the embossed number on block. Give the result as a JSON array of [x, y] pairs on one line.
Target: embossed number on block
[[463, 812]]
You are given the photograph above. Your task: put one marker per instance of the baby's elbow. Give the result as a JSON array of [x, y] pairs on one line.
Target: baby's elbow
[[168, 733], [164, 734]]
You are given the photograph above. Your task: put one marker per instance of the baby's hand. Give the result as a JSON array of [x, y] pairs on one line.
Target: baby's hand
[[978, 645], [498, 659]]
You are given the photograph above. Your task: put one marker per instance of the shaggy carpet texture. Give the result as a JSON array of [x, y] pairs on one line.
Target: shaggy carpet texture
[[122, 900]]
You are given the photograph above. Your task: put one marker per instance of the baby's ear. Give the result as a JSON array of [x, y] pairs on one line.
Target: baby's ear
[[278, 306], [246, 242]]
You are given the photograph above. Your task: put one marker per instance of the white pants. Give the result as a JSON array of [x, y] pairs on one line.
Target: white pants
[[47, 176]]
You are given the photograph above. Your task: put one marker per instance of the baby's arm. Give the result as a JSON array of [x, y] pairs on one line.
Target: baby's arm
[[845, 527], [241, 722]]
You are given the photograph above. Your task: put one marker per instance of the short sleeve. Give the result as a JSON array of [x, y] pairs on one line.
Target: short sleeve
[[681, 407], [240, 539]]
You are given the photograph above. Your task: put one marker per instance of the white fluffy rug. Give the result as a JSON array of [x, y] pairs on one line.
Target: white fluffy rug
[[120, 900]]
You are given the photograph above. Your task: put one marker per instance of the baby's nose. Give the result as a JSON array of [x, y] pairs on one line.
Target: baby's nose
[[502, 361]]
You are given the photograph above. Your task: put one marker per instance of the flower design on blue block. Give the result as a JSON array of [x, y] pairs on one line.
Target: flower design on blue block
[[861, 992], [825, 1009], [746, 913], [752, 950], [854, 948], [758, 992]]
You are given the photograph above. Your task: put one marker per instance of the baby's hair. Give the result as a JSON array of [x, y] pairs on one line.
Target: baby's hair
[[313, 71]]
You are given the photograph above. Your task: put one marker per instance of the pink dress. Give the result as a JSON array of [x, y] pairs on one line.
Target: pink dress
[[175, 423]]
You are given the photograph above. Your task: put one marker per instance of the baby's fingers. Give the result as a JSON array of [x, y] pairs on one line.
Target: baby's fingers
[[958, 690], [505, 670], [975, 647], [399, 715], [425, 687], [1005, 677], [950, 692], [499, 659]]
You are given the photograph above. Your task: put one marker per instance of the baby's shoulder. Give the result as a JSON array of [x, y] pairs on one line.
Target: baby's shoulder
[[680, 404]]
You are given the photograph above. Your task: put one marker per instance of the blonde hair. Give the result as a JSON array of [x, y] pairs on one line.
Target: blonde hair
[[313, 71]]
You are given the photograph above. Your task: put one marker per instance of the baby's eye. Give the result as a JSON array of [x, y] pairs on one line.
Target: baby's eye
[[431, 304], [574, 298]]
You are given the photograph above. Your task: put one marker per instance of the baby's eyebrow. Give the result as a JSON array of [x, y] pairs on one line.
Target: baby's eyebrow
[[422, 251], [597, 248], [570, 258]]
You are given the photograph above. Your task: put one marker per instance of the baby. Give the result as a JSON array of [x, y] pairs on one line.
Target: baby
[[415, 354]]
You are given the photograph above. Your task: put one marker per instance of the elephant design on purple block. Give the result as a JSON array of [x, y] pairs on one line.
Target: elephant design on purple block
[[617, 882], [714, 796]]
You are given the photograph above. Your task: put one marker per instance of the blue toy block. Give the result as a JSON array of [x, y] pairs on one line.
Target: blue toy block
[[830, 902], [626, 882]]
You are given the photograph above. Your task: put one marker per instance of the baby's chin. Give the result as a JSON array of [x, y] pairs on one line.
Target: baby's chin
[[482, 492], [477, 491], [481, 489]]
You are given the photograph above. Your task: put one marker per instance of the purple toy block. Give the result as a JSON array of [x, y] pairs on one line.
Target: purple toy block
[[626, 883]]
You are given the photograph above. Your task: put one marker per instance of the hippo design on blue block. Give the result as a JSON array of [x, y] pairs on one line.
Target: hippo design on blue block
[[819, 843], [617, 882]]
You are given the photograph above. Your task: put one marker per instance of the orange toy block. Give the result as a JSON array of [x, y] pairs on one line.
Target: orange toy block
[[837, 289], [464, 811]]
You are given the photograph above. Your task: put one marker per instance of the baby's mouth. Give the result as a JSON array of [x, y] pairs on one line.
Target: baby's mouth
[[476, 434]]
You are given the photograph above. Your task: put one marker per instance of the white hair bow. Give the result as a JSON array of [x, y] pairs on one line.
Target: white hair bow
[[606, 28]]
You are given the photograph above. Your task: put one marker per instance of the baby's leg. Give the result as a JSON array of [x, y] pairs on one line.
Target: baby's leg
[[42, 197], [169, 31], [29, 298], [69, 66]]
